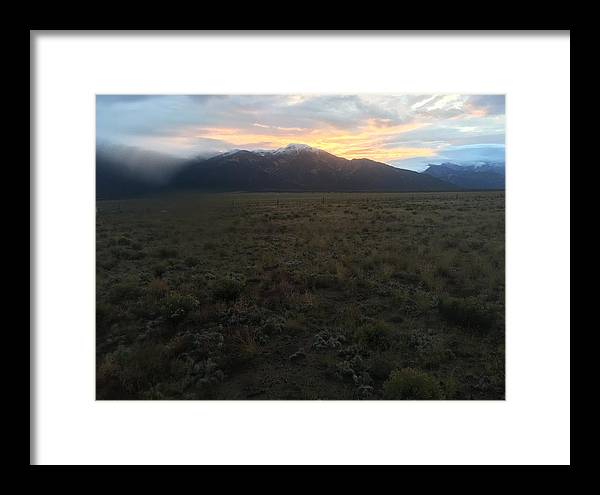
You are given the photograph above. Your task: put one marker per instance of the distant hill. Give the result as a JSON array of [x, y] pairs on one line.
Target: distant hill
[[299, 168], [486, 175], [122, 173]]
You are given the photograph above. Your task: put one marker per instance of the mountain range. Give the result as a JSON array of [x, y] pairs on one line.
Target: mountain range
[[296, 167], [300, 168], [484, 175]]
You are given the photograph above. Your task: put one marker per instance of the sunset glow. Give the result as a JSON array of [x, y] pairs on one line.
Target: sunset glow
[[401, 130]]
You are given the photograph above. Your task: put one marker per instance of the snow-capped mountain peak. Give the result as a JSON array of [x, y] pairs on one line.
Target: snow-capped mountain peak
[[294, 148]]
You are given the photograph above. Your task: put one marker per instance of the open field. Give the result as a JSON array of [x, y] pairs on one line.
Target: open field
[[301, 296]]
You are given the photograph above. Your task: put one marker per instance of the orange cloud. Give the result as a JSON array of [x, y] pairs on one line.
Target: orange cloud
[[368, 141]]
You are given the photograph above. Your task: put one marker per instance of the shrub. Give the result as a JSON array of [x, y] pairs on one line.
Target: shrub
[[191, 261], [105, 315], [327, 339], [123, 241], [450, 386], [241, 347], [159, 270], [158, 287], [207, 374], [125, 291], [324, 281], [470, 312], [410, 384], [278, 294], [380, 367], [176, 306], [127, 372], [226, 289], [376, 335], [164, 252], [293, 326]]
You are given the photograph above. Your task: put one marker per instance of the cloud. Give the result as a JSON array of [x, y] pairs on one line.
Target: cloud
[[471, 153], [384, 127], [490, 104], [115, 99], [475, 152]]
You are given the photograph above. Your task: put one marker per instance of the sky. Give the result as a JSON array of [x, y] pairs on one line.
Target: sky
[[407, 131]]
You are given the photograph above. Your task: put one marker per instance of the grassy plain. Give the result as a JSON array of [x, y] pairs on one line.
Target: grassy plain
[[301, 296]]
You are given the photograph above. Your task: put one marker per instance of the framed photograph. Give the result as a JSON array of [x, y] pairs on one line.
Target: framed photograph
[[272, 244]]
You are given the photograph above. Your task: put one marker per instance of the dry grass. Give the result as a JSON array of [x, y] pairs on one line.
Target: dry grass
[[412, 281]]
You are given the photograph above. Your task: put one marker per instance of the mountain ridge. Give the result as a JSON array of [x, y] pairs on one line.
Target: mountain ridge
[[300, 168], [480, 175], [293, 168]]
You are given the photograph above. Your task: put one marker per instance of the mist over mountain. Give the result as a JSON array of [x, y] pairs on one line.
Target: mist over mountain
[[470, 175], [128, 172]]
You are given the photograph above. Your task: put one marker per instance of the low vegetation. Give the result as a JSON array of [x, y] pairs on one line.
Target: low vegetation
[[301, 296]]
